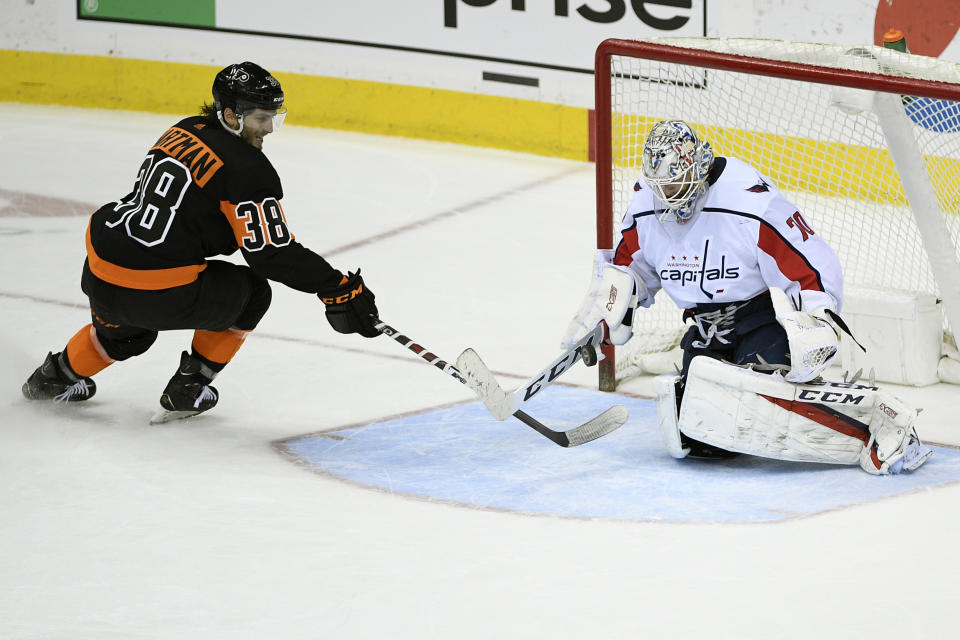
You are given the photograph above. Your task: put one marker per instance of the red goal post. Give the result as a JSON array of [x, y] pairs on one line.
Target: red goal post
[[780, 105]]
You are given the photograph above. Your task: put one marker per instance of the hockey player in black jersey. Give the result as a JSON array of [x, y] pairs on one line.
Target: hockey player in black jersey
[[204, 189]]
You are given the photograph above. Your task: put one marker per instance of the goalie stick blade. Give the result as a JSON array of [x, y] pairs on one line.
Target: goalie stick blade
[[607, 422], [481, 380], [610, 420], [502, 404]]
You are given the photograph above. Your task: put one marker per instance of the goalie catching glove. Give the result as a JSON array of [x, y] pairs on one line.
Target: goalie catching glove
[[813, 338], [613, 296], [350, 307]]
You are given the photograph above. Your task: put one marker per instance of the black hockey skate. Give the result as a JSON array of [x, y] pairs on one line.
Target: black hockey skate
[[705, 451], [54, 380], [188, 393]]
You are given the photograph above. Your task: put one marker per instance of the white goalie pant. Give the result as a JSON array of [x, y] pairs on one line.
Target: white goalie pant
[[738, 409]]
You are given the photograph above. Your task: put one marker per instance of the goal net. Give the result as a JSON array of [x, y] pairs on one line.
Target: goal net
[[864, 140]]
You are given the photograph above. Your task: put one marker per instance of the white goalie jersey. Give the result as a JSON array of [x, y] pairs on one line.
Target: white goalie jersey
[[744, 237]]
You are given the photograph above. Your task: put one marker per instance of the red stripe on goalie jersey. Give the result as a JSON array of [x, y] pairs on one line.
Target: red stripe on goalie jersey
[[628, 246], [791, 262], [825, 416]]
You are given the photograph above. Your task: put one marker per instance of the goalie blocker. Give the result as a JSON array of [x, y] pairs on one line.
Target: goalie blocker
[[613, 295], [738, 409]]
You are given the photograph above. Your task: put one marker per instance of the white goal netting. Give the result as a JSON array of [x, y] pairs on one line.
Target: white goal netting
[[822, 144]]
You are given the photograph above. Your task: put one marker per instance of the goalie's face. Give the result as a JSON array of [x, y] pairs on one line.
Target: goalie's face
[[675, 166]]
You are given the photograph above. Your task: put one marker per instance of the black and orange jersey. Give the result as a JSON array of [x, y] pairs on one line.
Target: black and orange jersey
[[200, 192]]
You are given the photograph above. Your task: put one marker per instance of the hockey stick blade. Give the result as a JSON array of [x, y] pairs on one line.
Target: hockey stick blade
[[502, 404], [610, 420], [481, 380]]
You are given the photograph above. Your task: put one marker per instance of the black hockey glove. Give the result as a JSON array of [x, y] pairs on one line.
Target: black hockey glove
[[350, 307]]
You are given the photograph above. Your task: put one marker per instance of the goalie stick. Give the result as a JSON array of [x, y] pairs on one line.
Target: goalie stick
[[502, 404], [608, 421]]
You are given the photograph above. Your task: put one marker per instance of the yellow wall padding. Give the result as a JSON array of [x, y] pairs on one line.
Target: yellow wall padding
[[334, 103]]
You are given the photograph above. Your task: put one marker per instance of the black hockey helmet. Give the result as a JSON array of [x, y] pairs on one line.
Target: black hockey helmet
[[245, 86]]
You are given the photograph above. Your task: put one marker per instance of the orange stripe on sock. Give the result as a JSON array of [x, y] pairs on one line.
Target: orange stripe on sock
[[86, 355], [218, 346]]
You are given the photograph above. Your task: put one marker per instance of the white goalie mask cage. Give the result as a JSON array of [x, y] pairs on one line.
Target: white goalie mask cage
[[675, 157]]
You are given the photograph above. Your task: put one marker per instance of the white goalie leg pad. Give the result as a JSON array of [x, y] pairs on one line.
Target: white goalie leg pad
[[813, 340], [738, 409], [666, 389], [894, 445]]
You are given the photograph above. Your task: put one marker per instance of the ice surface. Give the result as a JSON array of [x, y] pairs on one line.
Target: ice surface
[[110, 528], [626, 475]]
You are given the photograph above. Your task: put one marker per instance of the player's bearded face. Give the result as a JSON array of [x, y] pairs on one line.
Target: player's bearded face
[[256, 125]]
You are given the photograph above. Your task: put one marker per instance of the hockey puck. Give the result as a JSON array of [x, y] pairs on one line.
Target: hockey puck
[[589, 355]]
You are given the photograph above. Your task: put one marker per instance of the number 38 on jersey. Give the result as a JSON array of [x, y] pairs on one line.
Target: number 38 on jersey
[[148, 213], [258, 224]]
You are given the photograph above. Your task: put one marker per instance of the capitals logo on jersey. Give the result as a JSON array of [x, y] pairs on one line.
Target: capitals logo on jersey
[[702, 272]]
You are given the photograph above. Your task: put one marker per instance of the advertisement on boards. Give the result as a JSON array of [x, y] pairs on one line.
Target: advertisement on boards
[[549, 34]]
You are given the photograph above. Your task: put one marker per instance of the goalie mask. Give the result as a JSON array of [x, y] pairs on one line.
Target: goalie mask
[[675, 165]]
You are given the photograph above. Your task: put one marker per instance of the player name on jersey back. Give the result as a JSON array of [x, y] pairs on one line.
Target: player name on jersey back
[[192, 152]]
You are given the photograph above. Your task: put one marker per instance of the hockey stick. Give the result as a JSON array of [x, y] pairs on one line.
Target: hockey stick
[[502, 404], [610, 420]]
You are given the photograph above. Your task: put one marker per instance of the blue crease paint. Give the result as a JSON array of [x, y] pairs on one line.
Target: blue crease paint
[[463, 455]]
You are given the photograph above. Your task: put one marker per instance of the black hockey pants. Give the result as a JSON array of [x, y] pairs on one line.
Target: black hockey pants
[[223, 296]]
